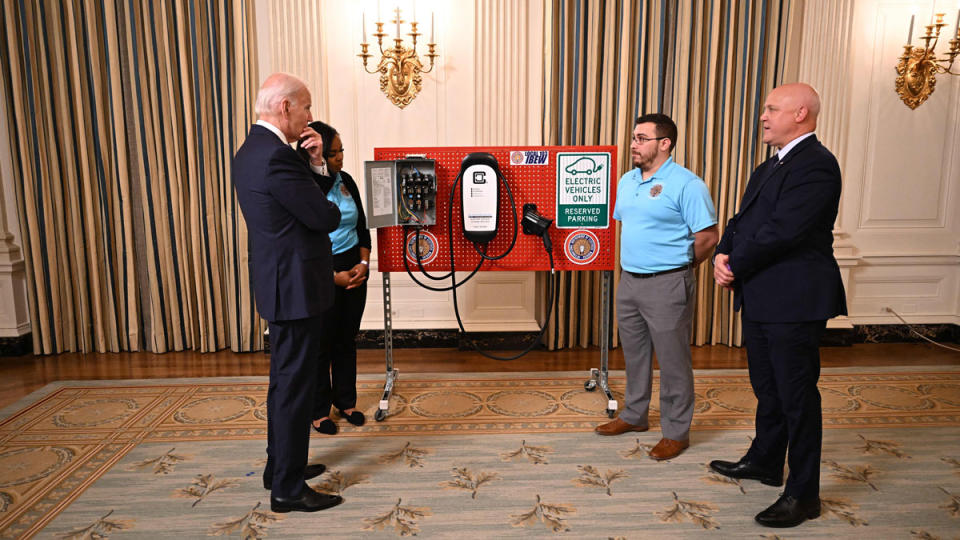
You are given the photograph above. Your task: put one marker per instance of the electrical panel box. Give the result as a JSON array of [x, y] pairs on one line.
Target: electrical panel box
[[401, 192]]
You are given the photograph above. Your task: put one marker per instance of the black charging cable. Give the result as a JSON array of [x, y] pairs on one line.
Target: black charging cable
[[406, 264], [552, 286]]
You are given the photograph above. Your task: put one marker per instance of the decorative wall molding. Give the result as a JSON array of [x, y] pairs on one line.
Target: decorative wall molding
[[913, 259], [899, 222]]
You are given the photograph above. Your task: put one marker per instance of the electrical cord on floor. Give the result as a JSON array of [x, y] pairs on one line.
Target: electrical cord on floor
[[918, 334]]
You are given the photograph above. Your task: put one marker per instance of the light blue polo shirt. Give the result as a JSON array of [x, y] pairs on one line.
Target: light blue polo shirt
[[659, 216], [345, 237]]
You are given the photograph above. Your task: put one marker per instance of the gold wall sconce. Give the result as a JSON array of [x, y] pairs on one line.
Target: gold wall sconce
[[919, 66], [399, 67]]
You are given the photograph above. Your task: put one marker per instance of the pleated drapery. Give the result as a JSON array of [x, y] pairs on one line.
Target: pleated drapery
[[125, 118], [708, 65]]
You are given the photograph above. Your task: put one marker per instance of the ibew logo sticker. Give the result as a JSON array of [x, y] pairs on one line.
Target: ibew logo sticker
[[426, 248], [529, 157], [581, 246]]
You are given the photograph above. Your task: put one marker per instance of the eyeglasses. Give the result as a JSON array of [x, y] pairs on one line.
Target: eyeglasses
[[643, 140]]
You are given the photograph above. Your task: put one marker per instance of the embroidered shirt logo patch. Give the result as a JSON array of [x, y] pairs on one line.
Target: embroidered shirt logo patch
[[656, 190]]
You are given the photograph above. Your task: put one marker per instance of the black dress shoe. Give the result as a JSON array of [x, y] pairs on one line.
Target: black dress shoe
[[356, 417], [308, 501], [312, 470], [748, 470], [789, 511], [327, 427]]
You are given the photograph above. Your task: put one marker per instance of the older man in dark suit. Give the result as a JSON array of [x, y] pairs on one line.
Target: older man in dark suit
[[776, 255], [288, 218]]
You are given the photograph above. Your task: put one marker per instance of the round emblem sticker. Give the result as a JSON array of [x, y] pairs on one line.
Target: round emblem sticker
[[517, 157], [426, 249], [581, 247]]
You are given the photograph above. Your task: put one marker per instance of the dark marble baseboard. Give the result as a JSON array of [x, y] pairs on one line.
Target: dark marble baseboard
[[443, 338], [890, 333], [408, 339], [16, 346], [488, 341]]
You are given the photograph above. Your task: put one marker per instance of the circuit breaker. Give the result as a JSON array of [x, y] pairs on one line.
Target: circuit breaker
[[401, 192]]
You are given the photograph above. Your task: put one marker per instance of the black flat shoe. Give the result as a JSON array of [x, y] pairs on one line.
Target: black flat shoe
[[789, 511], [327, 427], [747, 470], [356, 417], [308, 501], [311, 471]]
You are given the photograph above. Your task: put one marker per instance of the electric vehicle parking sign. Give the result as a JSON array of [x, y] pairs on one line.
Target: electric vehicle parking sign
[[583, 190]]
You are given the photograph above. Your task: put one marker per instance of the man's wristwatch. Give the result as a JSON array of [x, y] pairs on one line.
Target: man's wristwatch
[[365, 263]]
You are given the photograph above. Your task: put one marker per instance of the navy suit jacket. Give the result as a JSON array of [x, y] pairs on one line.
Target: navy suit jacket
[[289, 220], [780, 243]]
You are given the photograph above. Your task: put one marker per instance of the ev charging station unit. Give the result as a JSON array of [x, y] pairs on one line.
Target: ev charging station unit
[[446, 209]]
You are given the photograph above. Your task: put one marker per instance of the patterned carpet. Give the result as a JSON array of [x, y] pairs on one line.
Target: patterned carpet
[[469, 456]]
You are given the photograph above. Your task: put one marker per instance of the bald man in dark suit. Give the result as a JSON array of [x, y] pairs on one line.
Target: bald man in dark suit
[[776, 254]]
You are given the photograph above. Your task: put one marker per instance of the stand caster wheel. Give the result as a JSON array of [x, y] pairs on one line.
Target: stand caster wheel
[[590, 385], [379, 415]]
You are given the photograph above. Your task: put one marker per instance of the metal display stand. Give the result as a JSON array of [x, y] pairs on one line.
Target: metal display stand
[[391, 376], [598, 377]]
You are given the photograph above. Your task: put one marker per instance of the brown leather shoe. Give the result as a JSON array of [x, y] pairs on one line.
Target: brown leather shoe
[[618, 427], [668, 449]]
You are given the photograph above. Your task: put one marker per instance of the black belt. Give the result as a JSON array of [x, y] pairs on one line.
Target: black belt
[[655, 274]]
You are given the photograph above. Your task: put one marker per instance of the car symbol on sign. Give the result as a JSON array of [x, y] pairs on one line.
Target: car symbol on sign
[[583, 165]]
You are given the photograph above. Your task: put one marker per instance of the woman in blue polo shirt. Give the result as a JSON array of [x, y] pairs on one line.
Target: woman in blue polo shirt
[[351, 260]]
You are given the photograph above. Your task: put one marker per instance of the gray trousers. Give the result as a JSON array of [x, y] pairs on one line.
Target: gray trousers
[[656, 313]]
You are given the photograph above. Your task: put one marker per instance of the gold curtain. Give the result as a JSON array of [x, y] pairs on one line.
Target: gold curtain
[[706, 64], [125, 119]]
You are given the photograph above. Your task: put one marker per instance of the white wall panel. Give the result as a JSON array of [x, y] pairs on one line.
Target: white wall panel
[[898, 232]]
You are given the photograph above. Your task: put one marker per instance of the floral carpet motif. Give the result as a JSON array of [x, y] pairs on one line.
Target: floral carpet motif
[[470, 455]]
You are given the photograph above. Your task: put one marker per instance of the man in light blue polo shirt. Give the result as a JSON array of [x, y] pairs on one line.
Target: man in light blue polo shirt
[[668, 226]]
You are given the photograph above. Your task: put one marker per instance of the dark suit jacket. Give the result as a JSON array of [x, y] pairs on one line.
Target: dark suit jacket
[[289, 219], [780, 243]]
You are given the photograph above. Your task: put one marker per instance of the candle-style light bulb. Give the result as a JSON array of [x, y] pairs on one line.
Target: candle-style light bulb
[[910, 32], [363, 26], [431, 28]]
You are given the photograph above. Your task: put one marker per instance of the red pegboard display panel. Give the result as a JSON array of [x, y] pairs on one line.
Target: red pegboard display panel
[[530, 184]]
